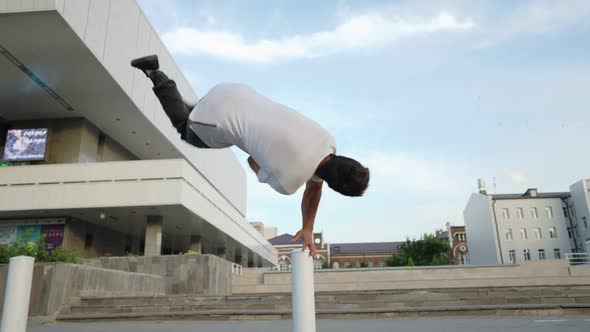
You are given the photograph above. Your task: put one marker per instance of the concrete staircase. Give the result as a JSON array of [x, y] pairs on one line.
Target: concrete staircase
[[388, 303]]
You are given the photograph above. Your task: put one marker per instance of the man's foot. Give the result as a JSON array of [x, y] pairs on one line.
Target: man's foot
[[147, 64]]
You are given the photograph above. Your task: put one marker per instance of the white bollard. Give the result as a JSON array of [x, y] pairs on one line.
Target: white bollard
[[302, 291], [17, 295]]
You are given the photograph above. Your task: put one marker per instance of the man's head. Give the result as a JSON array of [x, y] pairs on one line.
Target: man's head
[[345, 175]]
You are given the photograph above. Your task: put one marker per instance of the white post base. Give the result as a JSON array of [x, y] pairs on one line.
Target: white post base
[[302, 290]]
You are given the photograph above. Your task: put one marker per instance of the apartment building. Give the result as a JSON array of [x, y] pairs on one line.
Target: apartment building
[[509, 228]]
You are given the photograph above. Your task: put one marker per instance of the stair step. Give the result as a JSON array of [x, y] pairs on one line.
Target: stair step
[[324, 313]]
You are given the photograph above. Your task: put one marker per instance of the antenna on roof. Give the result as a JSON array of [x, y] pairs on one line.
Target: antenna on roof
[[494, 185]]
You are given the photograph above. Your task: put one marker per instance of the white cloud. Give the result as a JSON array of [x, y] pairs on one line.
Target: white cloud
[[517, 177], [537, 18], [358, 32]]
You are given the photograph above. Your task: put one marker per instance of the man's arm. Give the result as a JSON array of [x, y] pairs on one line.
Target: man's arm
[[309, 207]]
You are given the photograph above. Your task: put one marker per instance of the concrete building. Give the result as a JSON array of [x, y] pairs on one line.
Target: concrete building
[[92, 161], [266, 232], [510, 228]]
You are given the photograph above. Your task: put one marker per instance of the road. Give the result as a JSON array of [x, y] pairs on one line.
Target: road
[[483, 324]]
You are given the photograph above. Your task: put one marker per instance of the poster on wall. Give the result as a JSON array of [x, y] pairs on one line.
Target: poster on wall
[[29, 233], [7, 234], [54, 235], [25, 144]]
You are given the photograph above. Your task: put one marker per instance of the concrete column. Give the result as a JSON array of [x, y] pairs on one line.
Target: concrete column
[[153, 236], [220, 252], [244, 261], [195, 244]]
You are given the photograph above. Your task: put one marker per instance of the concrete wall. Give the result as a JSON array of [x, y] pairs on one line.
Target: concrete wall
[[581, 205], [127, 184], [480, 229], [187, 274], [56, 284], [104, 241], [533, 273]]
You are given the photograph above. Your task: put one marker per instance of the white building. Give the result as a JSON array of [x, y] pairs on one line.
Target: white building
[[509, 228], [102, 170]]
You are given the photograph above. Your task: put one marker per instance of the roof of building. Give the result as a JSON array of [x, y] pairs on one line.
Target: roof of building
[[358, 248], [284, 239], [442, 235], [526, 196]]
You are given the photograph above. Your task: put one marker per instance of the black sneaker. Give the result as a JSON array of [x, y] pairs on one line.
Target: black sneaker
[[149, 62]]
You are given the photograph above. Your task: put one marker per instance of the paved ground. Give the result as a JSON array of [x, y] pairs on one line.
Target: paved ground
[[503, 324]]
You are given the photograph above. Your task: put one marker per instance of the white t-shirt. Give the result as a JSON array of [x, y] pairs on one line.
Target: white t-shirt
[[287, 146]]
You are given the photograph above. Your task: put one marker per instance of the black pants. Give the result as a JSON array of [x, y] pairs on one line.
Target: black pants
[[178, 112]]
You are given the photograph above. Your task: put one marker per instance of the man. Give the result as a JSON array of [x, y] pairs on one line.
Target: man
[[286, 149]]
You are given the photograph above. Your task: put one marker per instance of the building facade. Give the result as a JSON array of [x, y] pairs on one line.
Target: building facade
[[372, 254], [337, 255], [90, 160], [266, 232], [284, 246], [459, 250], [509, 228]]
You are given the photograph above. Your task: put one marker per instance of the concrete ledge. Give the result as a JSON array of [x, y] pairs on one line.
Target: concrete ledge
[[184, 274], [481, 310], [535, 273]]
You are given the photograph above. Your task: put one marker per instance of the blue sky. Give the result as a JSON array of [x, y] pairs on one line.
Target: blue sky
[[431, 95]]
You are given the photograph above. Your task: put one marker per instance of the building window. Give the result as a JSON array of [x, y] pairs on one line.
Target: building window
[[381, 264], [512, 256], [336, 265], [565, 212], [541, 254], [538, 234], [585, 223], [527, 254], [553, 233], [519, 213], [523, 235], [370, 264], [534, 213], [347, 264], [509, 234], [557, 253], [284, 265], [569, 232], [319, 263], [505, 214], [461, 237], [549, 212]]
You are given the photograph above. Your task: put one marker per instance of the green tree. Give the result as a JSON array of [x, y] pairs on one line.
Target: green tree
[[396, 260], [428, 250], [410, 262], [363, 264]]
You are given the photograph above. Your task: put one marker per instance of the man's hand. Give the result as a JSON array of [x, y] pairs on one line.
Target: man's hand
[[307, 237]]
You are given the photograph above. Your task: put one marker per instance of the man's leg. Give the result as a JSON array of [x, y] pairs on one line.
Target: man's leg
[[170, 99]]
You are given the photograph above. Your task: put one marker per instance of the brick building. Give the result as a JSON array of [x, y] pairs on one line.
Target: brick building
[[284, 246], [354, 254], [457, 241]]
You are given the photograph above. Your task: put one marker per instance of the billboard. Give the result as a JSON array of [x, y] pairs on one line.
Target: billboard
[[7, 234], [25, 144], [54, 235], [28, 233]]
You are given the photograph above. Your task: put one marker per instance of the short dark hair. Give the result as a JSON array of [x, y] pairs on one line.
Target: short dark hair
[[345, 175]]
